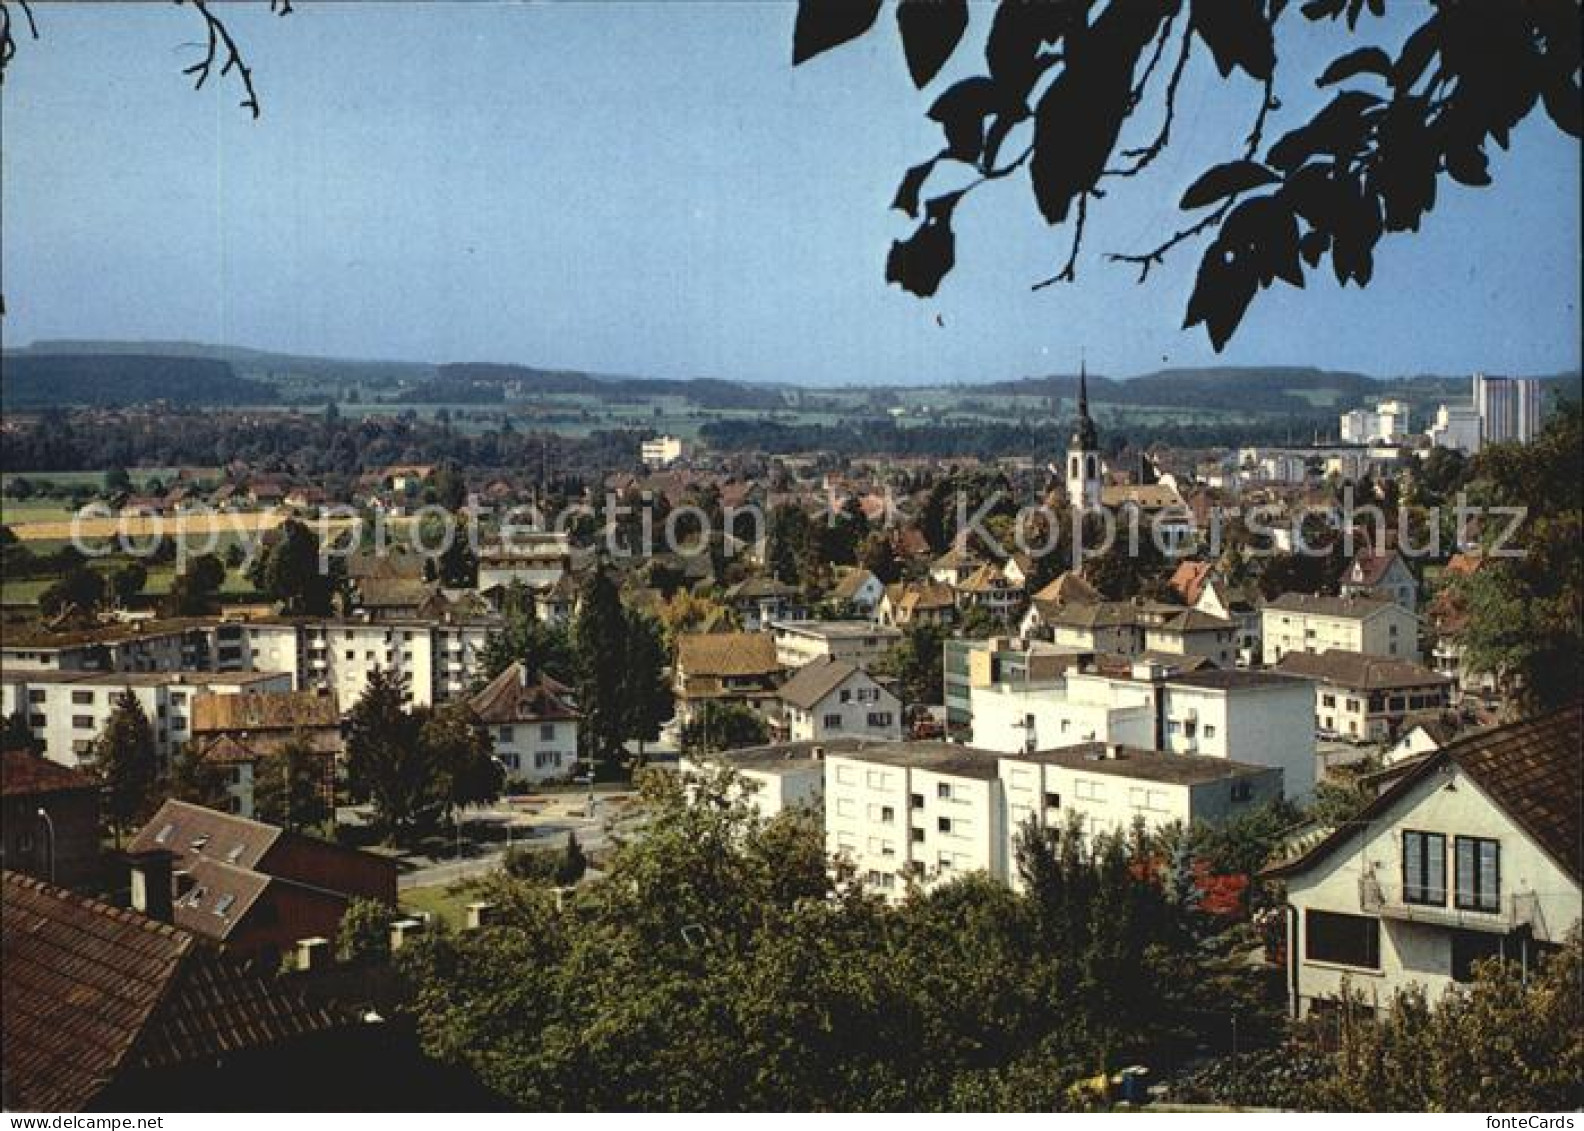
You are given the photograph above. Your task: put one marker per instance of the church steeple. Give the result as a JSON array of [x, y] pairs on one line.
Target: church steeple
[[1083, 451]]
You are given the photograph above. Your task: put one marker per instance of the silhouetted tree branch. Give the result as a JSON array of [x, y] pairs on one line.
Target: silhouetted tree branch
[[1366, 164]]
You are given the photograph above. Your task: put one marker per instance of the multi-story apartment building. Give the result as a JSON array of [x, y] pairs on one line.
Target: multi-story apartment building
[[661, 451], [860, 642], [67, 710], [1257, 718], [1299, 622], [1129, 628], [774, 778], [1387, 423], [536, 558], [926, 812], [967, 664], [1470, 853], [184, 644], [1508, 407]]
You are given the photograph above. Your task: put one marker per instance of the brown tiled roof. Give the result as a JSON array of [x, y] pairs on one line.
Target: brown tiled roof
[[758, 588], [1068, 587], [987, 578], [815, 680], [92, 990], [392, 592], [1368, 567], [727, 654], [363, 567], [220, 897], [26, 774], [849, 583], [1359, 670], [265, 710], [1531, 770], [1326, 606], [191, 831], [1189, 578], [509, 698]]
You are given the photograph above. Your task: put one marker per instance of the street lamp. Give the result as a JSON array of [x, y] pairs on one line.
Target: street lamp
[[50, 826]]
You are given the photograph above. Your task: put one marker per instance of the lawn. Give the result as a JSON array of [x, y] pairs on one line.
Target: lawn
[[446, 902]]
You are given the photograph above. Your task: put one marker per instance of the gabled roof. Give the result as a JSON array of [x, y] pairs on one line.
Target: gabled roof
[[851, 580], [1531, 770], [1068, 588], [26, 774], [190, 831], [510, 698], [1316, 604], [1370, 568], [1359, 670], [1189, 578], [92, 990], [811, 683], [727, 654], [760, 588], [989, 577]]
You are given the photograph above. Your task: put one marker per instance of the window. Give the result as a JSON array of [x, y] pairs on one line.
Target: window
[[1053, 801], [1424, 868], [35, 696], [547, 731], [82, 722], [223, 904], [82, 697], [1209, 731], [1242, 791], [846, 695], [943, 789], [879, 718], [833, 722], [1469, 947], [1347, 940], [916, 800], [887, 814], [1478, 874], [943, 824], [916, 836], [544, 758], [1089, 790], [507, 734]]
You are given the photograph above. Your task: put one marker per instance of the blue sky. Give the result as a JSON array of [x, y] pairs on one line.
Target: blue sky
[[652, 188]]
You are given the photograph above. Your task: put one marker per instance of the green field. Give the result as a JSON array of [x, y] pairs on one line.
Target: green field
[[446, 902]]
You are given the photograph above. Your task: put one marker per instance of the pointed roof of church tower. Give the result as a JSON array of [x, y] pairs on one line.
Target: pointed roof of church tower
[[1085, 436]]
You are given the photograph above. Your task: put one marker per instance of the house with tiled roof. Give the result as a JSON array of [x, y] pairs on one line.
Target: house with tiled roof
[[910, 603], [254, 888], [49, 819], [725, 667], [1381, 574], [988, 587], [532, 724], [1367, 698], [1472, 853], [759, 600], [831, 698], [105, 1008], [857, 588], [244, 733]]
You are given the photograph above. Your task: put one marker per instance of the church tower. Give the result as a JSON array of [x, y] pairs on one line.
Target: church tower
[[1083, 452]]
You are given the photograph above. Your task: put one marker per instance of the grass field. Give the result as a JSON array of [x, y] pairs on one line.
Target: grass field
[[446, 902], [195, 528]]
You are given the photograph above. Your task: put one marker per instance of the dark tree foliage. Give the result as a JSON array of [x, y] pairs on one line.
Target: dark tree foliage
[[599, 642], [125, 763], [1071, 75], [723, 726]]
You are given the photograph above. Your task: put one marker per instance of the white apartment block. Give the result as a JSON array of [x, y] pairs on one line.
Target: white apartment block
[[860, 642], [1256, 718], [1456, 427], [67, 711], [1298, 622], [928, 812], [1470, 853], [925, 811], [775, 779], [1367, 698], [537, 558], [1387, 423], [1508, 408], [1107, 788], [662, 451]]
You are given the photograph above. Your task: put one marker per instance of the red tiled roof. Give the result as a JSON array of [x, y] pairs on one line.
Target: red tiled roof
[[509, 698], [26, 774], [91, 991]]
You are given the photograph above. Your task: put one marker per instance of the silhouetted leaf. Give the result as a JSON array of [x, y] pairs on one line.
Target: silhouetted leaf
[[1226, 180], [919, 263], [961, 110], [1222, 292], [907, 195], [823, 24], [1238, 35], [1366, 60], [1562, 100], [1468, 166], [1312, 245], [930, 30], [1417, 51], [1017, 35]]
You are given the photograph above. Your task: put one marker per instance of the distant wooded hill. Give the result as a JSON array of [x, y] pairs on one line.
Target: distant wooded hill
[[527, 381], [43, 380]]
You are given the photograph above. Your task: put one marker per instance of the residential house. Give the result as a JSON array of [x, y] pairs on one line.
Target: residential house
[[832, 698], [725, 667], [956, 565], [989, 588], [1239, 604], [1384, 574], [1473, 852], [532, 724], [537, 558], [760, 600], [917, 603], [254, 888], [1300, 622], [246, 734], [1366, 698], [859, 589], [49, 823], [107, 1009]]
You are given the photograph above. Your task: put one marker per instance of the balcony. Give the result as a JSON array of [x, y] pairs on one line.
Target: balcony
[[1518, 909]]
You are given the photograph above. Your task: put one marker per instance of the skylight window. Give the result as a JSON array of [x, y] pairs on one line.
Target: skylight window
[[223, 904], [198, 842], [164, 834], [235, 854]]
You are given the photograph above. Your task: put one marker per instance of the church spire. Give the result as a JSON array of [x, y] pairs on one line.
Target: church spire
[[1086, 436], [1083, 388]]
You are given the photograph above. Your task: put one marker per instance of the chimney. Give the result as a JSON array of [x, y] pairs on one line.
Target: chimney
[[1113, 751], [403, 931], [151, 883], [313, 954], [480, 914]]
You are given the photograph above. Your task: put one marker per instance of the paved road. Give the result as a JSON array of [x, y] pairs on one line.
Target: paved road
[[542, 821]]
